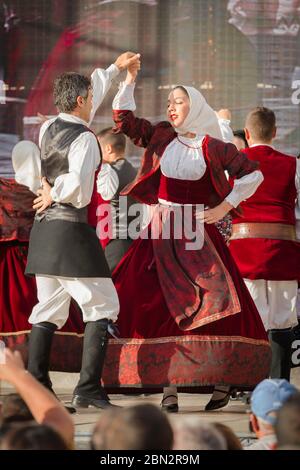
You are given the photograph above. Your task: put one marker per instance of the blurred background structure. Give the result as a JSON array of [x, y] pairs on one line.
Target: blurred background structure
[[239, 53]]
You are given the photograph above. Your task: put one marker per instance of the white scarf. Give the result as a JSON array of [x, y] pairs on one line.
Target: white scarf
[[201, 118], [26, 163]]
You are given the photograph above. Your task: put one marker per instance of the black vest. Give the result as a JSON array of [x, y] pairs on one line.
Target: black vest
[[126, 173], [61, 241], [55, 149]]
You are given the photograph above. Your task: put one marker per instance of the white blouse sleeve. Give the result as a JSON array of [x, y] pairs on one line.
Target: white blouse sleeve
[[244, 187], [226, 131], [76, 186], [101, 82], [107, 182], [124, 99]]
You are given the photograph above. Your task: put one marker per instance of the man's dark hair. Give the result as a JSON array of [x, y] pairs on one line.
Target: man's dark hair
[[116, 139], [31, 437], [142, 427], [14, 409], [67, 88], [287, 426], [261, 123]]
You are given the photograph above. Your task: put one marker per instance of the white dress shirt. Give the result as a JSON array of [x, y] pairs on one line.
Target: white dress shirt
[[107, 182], [183, 157], [76, 186]]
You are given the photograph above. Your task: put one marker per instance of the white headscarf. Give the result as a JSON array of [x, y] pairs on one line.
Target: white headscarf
[[26, 162], [201, 118]]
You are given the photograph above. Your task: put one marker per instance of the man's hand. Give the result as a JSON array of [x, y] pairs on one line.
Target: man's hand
[[44, 200], [132, 72], [127, 59], [211, 216], [224, 114], [11, 364]]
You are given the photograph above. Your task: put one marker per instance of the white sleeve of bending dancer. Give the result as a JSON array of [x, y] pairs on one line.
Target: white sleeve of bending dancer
[[107, 182], [76, 186]]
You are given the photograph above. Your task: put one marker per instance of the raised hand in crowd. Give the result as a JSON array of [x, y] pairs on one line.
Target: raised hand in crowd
[[44, 406]]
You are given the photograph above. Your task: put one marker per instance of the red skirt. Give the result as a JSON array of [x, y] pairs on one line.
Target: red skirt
[[153, 351], [18, 297]]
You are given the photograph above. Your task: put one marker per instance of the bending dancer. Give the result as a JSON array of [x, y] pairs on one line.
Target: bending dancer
[[115, 174], [186, 316], [263, 242], [18, 293], [64, 252]]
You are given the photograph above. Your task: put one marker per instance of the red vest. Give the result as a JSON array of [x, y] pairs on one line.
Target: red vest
[[273, 201]]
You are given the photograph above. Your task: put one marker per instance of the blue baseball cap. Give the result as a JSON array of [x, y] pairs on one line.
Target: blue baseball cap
[[269, 396]]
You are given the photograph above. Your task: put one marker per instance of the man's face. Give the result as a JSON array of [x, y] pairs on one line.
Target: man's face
[[107, 151]]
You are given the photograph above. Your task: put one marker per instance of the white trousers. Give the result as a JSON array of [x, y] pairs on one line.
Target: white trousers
[[97, 298], [275, 302]]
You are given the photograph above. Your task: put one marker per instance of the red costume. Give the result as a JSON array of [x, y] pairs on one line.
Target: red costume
[[186, 317], [273, 254], [18, 292]]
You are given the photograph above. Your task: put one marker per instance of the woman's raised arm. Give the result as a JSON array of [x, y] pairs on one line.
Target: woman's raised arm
[[140, 131]]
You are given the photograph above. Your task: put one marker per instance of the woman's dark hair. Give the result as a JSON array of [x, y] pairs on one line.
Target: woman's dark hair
[[67, 88], [240, 133]]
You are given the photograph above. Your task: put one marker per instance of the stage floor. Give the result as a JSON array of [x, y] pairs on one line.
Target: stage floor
[[234, 415]]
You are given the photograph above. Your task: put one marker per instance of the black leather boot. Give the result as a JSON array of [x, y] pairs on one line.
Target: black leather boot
[[39, 349], [281, 341], [89, 391]]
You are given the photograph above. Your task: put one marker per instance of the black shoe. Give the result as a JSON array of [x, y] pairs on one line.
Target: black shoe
[[80, 401], [70, 409], [169, 407], [215, 404]]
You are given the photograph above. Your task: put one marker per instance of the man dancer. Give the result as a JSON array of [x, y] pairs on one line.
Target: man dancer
[[263, 241], [115, 174], [64, 251]]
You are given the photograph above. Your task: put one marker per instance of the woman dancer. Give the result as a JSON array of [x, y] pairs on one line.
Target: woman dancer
[[186, 318]]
